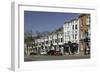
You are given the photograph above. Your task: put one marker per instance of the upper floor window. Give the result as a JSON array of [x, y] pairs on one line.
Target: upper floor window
[[61, 39], [75, 36], [75, 26], [46, 42], [56, 41]]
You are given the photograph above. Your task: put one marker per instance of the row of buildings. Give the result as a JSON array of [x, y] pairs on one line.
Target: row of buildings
[[76, 31]]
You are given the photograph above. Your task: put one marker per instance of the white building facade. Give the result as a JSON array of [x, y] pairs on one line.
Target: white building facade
[[71, 31], [50, 41]]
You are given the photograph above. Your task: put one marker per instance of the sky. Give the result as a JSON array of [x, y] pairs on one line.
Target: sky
[[45, 21]]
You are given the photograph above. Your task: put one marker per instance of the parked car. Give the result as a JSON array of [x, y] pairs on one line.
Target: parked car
[[54, 53], [51, 52], [33, 53], [66, 48], [71, 48], [74, 47], [43, 53], [58, 53]]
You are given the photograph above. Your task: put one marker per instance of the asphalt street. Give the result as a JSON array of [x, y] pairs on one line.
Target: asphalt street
[[48, 57]]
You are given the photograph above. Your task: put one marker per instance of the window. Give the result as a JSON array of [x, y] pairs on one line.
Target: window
[[46, 42], [75, 31], [55, 40], [73, 36], [51, 41], [61, 39], [75, 26], [42, 43], [58, 39]]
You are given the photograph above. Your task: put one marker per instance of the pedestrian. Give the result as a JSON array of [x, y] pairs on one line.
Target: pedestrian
[[85, 50], [88, 50], [62, 50], [69, 47]]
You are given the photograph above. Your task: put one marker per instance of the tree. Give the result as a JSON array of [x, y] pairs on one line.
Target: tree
[[28, 40]]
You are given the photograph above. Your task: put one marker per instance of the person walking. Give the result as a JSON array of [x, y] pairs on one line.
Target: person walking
[[85, 50]]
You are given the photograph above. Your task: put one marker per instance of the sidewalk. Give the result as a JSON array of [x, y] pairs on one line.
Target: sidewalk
[[80, 53]]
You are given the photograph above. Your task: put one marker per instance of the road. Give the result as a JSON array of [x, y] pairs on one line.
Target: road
[[48, 57]]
